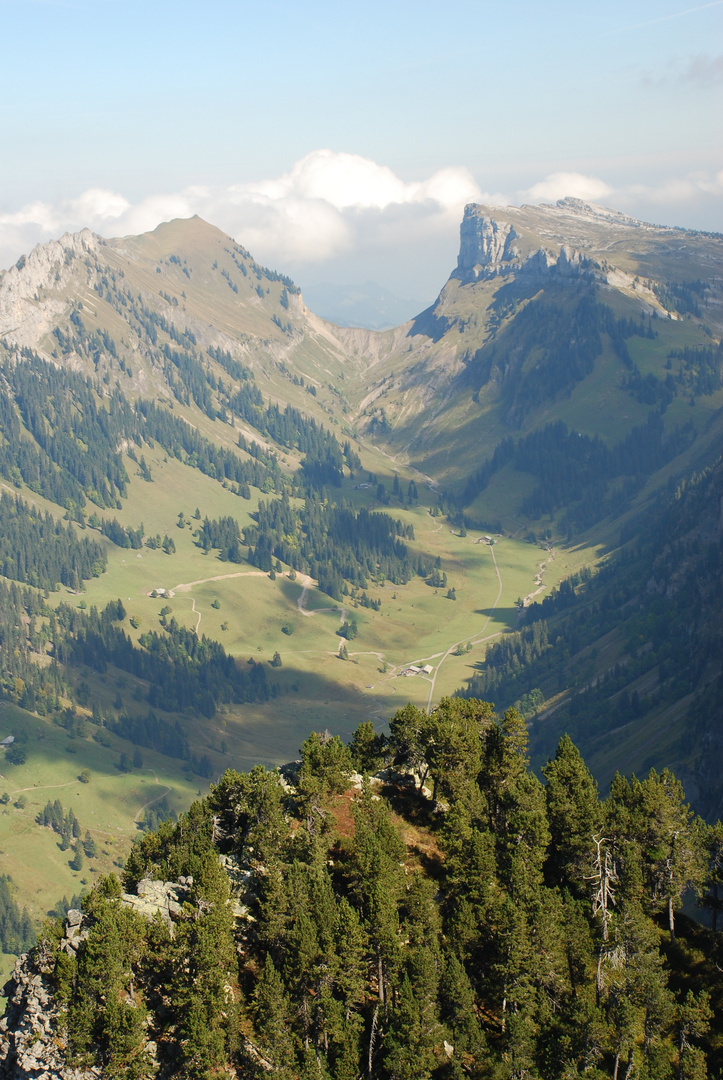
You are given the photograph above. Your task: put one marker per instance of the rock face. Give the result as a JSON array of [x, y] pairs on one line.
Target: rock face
[[31, 1043], [31, 1047], [490, 245], [486, 243], [31, 291], [164, 897]]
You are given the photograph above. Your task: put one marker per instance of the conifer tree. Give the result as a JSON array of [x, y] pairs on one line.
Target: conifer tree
[[273, 1021], [407, 1052], [573, 813]]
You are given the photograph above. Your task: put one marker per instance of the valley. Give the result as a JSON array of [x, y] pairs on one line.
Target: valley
[[514, 496]]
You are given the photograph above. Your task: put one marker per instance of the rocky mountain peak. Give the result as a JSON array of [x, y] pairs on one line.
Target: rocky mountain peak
[[491, 245], [48, 267], [485, 243]]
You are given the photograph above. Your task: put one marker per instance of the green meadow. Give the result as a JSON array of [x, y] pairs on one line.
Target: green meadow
[[109, 806], [255, 616]]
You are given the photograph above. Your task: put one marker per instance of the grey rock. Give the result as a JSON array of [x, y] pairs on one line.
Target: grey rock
[[486, 243]]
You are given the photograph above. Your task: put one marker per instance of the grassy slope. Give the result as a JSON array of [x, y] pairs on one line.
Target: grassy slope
[[108, 807], [317, 689], [415, 622]]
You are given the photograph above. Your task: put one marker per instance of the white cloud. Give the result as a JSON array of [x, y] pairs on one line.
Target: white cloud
[[340, 216], [561, 185], [309, 214], [675, 191]]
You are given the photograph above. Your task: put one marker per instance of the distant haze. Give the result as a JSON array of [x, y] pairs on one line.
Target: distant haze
[[369, 305]]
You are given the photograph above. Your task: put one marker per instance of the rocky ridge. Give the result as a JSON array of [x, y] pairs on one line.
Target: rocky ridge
[[48, 267], [31, 1046], [31, 1041]]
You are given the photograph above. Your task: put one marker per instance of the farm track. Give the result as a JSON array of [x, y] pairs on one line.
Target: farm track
[[99, 776], [308, 582], [476, 640]]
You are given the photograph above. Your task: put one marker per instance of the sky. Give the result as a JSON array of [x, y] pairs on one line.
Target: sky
[[340, 142]]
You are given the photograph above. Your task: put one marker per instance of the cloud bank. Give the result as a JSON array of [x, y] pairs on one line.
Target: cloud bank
[[342, 214], [322, 207]]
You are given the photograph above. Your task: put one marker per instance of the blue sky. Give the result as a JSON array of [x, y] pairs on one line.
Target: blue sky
[[340, 140]]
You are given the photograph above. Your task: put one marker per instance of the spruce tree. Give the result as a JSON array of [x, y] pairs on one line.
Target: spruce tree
[[573, 814]]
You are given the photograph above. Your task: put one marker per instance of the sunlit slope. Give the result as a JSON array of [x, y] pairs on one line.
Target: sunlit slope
[[185, 285], [562, 313]]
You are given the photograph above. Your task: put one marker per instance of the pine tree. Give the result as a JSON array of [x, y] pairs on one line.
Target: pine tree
[[407, 1055], [451, 741], [457, 1012], [325, 767], [377, 885], [671, 849], [367, 748], [712, 898], [273, 1021], [573, 813], [694, 1017]]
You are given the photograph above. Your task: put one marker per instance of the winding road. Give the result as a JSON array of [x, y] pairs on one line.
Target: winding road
[[150, 802]]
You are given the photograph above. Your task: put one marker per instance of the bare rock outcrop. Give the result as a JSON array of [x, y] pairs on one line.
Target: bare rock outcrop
[[31, 1045], [26, 312], [488, 248], [31, 1040], [486, 243]]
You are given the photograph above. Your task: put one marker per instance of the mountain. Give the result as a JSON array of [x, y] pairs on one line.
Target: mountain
[[226, 520], [517, 337], [569, 381]]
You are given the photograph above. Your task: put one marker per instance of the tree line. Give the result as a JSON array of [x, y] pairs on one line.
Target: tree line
[[42, 552], [553, 344], [183, 670], [582, 473]]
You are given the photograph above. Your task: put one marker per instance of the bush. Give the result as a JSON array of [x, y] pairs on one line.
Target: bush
[[348, 629]]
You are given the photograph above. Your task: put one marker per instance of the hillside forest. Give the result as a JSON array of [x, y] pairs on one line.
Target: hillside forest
[[442, 913]]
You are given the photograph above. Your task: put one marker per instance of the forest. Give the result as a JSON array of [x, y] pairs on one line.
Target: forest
[[37, 550], [183, 670], [565, 333], [334, 544], [460, 918], [661, 596], [581, 473]]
